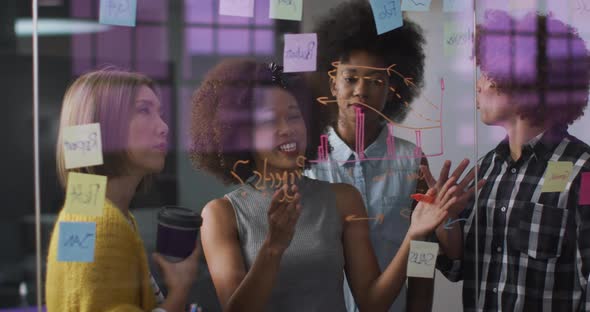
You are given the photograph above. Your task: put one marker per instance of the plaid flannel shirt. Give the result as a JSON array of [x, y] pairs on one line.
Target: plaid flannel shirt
[[533, 250]]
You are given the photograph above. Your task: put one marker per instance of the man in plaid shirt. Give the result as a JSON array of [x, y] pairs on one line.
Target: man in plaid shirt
[[523, 247]]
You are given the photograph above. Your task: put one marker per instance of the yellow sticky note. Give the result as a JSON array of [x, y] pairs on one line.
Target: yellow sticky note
[[557, 175], [422, 259], [286, 9], [85, 194], [82, 146]]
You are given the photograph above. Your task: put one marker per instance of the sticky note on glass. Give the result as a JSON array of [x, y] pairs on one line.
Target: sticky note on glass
[[557, 175], [585, 189], [455, 5], [286, 9], [243, 8], [523, 4], [118, 12], [457, 38], [387, 15], [578, 12], [82, 146], [422, 259], [85, 194], [416, 5], [76, 241], [300, 54]]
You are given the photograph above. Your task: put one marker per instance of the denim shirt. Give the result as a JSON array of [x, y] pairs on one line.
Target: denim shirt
[[385, 180]]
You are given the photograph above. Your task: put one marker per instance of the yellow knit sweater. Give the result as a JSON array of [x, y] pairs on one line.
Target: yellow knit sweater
[[117, 280]]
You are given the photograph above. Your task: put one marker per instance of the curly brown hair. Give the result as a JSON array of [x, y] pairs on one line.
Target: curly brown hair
[[222, 116], [541, 63]]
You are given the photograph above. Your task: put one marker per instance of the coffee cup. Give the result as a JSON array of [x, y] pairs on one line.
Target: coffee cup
[[178, 231]]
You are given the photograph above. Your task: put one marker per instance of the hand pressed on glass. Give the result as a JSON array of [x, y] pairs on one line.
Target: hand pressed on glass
[[462, 193], [427, 216]]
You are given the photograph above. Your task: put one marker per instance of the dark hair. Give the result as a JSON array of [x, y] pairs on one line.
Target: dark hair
[[540, 62], [350, 27], [223, 115]]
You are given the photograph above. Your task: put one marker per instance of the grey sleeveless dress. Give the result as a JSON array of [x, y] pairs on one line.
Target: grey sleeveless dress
[[311, 272]]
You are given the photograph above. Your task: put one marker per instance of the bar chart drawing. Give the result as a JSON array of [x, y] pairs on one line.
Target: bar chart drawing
[[323, 148]]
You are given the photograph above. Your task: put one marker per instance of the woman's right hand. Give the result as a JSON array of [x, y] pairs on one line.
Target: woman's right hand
[[427, 216], [282, 219]]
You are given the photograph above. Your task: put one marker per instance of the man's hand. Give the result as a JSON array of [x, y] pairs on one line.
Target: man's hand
[[461, 192]]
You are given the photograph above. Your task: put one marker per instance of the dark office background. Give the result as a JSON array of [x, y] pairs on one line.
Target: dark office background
[[175, 42]]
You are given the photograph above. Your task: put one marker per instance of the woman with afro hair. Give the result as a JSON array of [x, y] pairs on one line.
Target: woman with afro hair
[[355, 72], [282, 241]]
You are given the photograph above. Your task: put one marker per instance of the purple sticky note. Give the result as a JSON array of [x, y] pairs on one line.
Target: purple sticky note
[[300, 53], [585, 189]]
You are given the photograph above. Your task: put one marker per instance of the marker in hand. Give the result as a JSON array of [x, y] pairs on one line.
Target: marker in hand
[[378, 219], [422, 198]]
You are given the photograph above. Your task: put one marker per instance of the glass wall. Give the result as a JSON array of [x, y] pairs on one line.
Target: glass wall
[[170, 145]]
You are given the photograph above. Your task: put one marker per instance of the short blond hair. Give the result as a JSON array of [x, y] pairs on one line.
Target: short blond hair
[[107, 97]]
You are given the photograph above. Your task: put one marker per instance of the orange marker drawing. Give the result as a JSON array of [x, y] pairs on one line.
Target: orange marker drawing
[[406, 213], [422, 198], [379, 178], [378, 219], [433, 123]]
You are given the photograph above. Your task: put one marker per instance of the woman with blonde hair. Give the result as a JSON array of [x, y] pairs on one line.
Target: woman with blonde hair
[[134, 141]]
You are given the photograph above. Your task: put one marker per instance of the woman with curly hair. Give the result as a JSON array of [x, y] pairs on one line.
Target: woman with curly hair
[[362, 83], [282, 241]]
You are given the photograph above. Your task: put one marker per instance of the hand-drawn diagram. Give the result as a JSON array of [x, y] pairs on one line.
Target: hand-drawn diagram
[[435, 124], [277, 180], [378, 219], [449, 222]]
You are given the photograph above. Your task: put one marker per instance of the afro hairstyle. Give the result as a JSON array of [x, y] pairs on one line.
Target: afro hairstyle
[[222, 117], [350, 27], [540, 62]]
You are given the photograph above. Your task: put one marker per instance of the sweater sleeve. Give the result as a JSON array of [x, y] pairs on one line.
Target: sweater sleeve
[[114, 281]]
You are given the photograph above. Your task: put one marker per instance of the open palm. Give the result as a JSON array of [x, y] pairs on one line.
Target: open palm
[[462, 192], [427, 216]]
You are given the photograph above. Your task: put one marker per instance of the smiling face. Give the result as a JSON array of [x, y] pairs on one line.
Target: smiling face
[[494, 106], [355, 83], [147, 142], [279, 129]]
